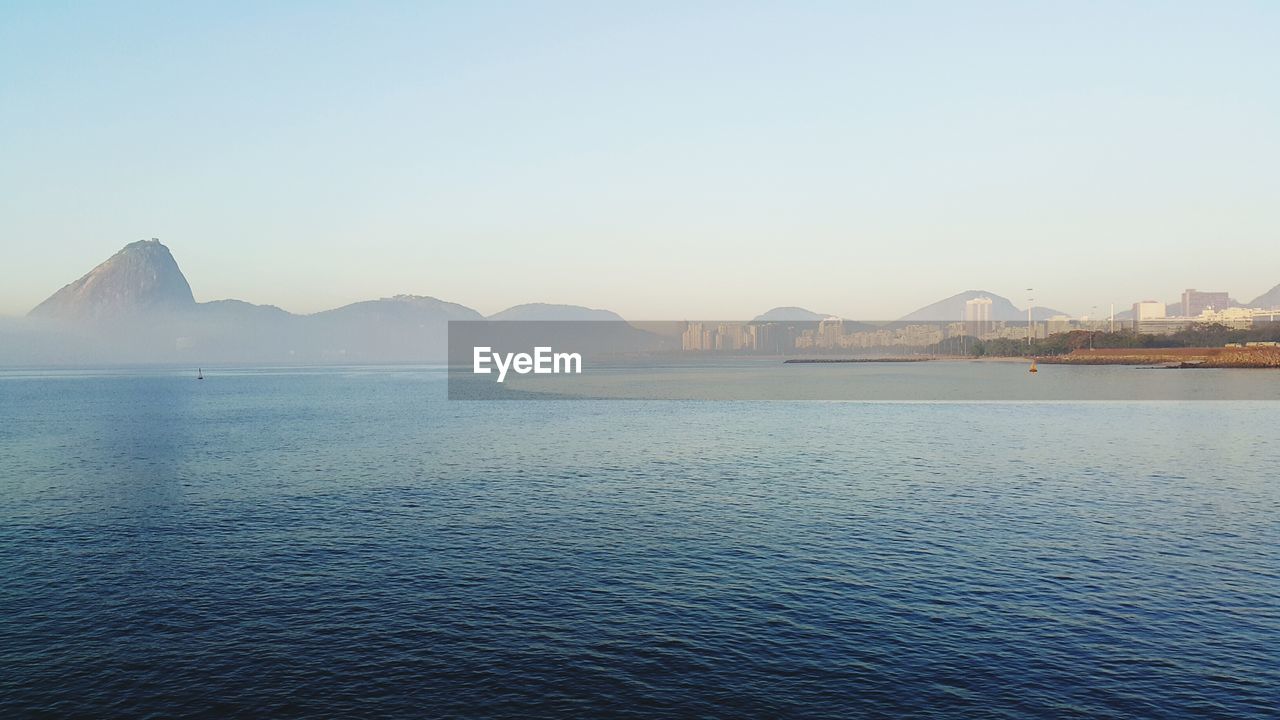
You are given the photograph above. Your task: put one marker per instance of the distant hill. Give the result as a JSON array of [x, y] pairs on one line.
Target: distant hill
[[138, 306], [586, 330], [141, 278], [547, 311], [400, 309], [1267, 300], [240, 308], [952, 308], [790, 314], [404, 327]]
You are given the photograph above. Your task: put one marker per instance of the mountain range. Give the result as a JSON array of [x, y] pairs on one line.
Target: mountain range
[[137, 306]]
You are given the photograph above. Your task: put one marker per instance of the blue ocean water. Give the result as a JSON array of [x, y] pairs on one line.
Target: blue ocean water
[[344, 542]]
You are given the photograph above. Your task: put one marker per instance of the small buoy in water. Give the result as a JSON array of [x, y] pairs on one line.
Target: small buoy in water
[[1033, 367]]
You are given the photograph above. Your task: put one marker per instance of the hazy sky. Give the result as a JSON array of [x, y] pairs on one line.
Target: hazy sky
[[664, 160]]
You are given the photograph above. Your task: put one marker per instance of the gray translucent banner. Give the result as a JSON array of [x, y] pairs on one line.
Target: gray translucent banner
[[843, 360]]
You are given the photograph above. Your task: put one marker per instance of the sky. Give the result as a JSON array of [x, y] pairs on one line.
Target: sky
[[662, 160]]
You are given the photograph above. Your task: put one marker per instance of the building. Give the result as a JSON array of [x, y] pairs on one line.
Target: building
[[1238, 318], [1165, 325], [696, 337], [830, 332], [977, 316], [1195, 302], [1148, 310], [768, 339], [731, 337], [1150, 317], [775, 339], [1058, 324]]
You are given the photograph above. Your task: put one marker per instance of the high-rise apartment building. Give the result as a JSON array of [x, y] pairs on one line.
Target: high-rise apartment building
[[830, 331], [977, 316], [1195, 302]]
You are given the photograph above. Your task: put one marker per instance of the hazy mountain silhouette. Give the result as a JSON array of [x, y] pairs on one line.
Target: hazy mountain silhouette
[[404, 327], [595, 333], [790, 314], [138, 307], [1267, 300], [952, 309], [547, 311], [141, 278]]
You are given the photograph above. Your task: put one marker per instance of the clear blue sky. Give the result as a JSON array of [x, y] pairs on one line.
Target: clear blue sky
[[663, 160]]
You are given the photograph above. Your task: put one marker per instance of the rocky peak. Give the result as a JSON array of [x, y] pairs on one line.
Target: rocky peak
[[142, 277]]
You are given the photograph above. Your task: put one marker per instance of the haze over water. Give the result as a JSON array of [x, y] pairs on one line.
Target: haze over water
[[344, 541]]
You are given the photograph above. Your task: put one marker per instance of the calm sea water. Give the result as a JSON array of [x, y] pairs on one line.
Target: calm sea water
[[344, 542]]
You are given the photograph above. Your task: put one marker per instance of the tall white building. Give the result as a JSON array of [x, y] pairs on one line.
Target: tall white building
[[830, 332], [977, 316], [1148, 310], [694, 337]]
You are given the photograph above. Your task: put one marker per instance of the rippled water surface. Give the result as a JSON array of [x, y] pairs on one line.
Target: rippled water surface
[[347, 543]]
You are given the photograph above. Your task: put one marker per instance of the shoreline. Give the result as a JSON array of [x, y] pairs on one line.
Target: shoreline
[[826, 361], [1174, 358]]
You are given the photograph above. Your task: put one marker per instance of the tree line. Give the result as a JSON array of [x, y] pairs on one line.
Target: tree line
[[1200, 335]]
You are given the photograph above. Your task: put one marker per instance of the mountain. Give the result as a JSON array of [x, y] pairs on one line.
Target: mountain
[[547, 311], [404, 310], [594, 333], [1267, 300], [952, 308], [141, 278], [404, 327], [790, 314], [138, 307], [237, 331]]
